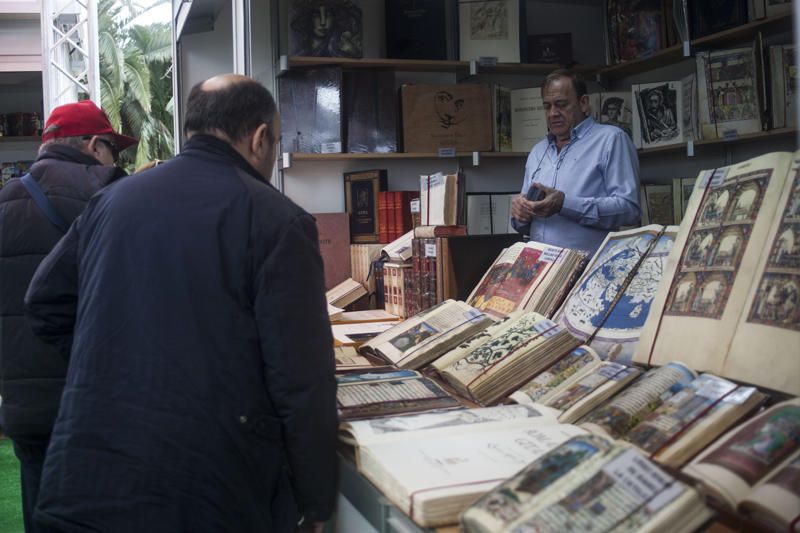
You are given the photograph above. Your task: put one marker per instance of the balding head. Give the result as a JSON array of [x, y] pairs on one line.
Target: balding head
[[229, 106]]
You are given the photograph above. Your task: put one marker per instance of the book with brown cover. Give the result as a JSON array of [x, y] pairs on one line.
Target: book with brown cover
[[439, 231], [334, 245]]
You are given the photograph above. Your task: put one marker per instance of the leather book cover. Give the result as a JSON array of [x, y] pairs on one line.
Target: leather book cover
[[334, 246]]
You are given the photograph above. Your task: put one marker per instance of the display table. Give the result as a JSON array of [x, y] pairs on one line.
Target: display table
[[370, 505]]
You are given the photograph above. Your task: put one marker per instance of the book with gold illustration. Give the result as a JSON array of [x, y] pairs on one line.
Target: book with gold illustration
[[730, 300], [755, 466], [588, 483]]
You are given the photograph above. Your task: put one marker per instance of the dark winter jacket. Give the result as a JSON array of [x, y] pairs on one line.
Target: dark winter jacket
[[31, 373], [200, 394]]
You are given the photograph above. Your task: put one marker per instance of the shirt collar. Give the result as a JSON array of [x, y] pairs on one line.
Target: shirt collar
[[577, 132]]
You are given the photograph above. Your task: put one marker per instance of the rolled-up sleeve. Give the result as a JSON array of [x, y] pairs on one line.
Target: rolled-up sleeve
[[620, 205]]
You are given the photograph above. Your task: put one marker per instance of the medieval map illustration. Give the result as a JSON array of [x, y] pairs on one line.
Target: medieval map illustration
[[596, 306]]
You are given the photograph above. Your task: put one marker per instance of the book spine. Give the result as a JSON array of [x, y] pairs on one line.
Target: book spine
[[380, 298], [383, 220], [407, 295], [417, 274]]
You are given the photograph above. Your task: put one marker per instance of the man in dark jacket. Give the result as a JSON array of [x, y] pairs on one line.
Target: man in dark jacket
[[200, 394], [75, 160]]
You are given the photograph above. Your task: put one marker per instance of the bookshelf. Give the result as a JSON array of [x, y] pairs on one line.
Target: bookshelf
[[674, 54]]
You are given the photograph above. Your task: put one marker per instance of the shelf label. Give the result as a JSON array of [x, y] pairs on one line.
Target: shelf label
[[690, 148], [331, 148], [686, 51], [430, 250], [286, 160], [415, 205], [447, 152], [476, 159], [729, 135], [487, 61]]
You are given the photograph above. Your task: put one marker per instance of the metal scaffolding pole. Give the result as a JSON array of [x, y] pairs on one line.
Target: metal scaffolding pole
[[70, 59]]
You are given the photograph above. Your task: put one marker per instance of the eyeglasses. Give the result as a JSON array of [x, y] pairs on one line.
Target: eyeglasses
[[112, 146]]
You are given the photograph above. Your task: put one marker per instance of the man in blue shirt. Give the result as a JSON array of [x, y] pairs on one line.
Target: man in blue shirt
[[585, 174]]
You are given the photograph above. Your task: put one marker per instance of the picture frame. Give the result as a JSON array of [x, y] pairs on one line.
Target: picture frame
[[492, 29]]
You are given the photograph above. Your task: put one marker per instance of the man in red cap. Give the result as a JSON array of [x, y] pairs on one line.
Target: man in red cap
[[76, 159]]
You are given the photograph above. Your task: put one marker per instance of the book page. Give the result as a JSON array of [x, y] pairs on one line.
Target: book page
[[696, 416], [427, 425], [777, 500], [737, 462], [359, 332], [476, 340], [399, 249], [770, 324], [446, 466], [594, 301], [510, 282], [621, 495], [593, 387], [627, 408], [557, 377], [712, 264], [428, 334]]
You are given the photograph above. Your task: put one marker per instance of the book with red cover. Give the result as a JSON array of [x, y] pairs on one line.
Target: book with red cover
[[440, 231], [402, 211], [383, 218], [334, 245]]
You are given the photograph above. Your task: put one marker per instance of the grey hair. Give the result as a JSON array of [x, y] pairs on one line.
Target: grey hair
[[75, 142]]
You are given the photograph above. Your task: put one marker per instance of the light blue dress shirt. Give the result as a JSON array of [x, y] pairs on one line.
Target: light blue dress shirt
[[598, 172]]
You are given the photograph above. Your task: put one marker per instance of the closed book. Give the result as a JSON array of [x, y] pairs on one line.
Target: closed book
[[416, 29], [391, 220], [370, 108], [325, 28], [361, 190], [456, 116], [440, 231], [311, 110], [334, 246], [528, 124], [553, 48]]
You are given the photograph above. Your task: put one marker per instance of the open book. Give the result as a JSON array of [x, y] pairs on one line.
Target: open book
[[374, 394], [730, 301], [527, 275], [422, 338], [343, 295], [588, 483], [742, 467], [495, 368], [434, 467], [585, 391], [609, 304]]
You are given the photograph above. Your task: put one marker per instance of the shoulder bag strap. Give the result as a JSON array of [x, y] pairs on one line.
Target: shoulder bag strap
[[44, 204]]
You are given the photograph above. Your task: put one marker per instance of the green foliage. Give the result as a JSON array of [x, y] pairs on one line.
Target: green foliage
[[136, 80]]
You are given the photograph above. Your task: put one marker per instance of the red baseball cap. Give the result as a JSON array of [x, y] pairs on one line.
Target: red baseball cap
[[80, 119]]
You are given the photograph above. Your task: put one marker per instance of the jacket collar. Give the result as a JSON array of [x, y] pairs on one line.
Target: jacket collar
[[207, 145], [54, 157], [63, 152]]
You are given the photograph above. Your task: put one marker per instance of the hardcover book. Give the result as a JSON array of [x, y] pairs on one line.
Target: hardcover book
[[374, 394], [370, 107], [528, 122], [713, 17], [457, 117], [361, 203], [455, 457], [613, 108], [494, 29], [635, 28], [527, 275], [501, 107], [755, 466], [588, 483], [329, 28], [783, 84], [416, 29], [550, 48], [657, 114], [333, 231], [311, 110], [727, 86], [732, 281], [489, 213]]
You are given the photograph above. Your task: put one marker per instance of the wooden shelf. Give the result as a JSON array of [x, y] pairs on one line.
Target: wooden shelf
[[673, 54], [777, 133], [645, 152], [427, 65]]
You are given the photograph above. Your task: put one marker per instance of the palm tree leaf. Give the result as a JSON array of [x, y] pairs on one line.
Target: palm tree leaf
[[137, 79]]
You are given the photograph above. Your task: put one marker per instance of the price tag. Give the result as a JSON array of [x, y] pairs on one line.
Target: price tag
[[686, 51], [550, 254], [690, 149], [331, 148], [447, 152], [286, 158], [487, 61], [415, 205], [729, 135], [430, 250]]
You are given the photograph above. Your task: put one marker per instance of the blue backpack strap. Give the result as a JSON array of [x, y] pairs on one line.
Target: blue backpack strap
[[44, 204]]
